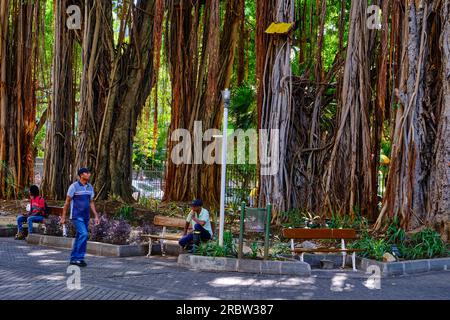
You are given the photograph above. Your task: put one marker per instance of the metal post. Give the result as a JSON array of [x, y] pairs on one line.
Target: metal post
[[266, 242], [226, 99], [241, 231]]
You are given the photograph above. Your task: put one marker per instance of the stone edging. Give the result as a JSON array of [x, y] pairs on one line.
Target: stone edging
[[8, 231], [245, 265], [405, 267], [95, 248]]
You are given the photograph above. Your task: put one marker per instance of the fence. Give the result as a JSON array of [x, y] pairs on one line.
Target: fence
[[241, 180]]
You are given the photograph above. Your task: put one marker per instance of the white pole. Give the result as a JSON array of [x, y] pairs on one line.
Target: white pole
[[226, 100]]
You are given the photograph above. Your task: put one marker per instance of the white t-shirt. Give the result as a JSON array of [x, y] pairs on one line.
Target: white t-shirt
[[203, 216]]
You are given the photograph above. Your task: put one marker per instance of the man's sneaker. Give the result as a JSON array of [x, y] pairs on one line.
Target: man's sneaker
[[78, 263], [20, 236]]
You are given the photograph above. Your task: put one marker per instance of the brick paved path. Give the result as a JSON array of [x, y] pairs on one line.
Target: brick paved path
[[30, 272]]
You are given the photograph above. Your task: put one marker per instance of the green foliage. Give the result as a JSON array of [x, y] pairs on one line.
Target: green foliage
[[425, 244], [125, 212], [346, 222], [395, 234], [149, 203], [10, 182], [280, 248], [297, 218], [254, 247], [114, 198], [243, 107], [213, 249], [372, 247]]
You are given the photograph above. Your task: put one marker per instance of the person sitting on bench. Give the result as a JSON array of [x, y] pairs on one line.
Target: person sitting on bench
[[34, 215], [200, 223]]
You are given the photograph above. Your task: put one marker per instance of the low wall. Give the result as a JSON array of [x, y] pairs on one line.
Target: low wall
[[405, 267], [245, 265], [95, 248]]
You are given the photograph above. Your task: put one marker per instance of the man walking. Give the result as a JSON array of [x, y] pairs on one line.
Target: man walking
[[80, 197]]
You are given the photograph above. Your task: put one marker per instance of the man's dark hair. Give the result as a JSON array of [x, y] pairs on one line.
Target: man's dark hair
[[34, 191], [197, 203]]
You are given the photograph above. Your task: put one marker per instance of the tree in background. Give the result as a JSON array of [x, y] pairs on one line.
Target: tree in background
[[60, 121], [201, 55], [19, 26]]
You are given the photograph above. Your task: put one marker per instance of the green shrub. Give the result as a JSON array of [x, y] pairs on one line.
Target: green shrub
[[213, 249], [372, 247], [346, 222], [254, 247], [125, 212], [425, 244]]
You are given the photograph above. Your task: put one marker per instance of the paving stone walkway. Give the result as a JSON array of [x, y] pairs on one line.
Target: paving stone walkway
[[34, 272]]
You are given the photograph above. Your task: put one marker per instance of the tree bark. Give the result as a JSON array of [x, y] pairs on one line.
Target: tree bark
[[348, 185], [130, 83], [198, 76], [18, 24], [97, 55], [58, 143], [276, 114], [439, 204]]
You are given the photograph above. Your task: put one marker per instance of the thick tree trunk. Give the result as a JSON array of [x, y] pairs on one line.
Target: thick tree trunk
[[97, 58], [349, 177], [439, 204], [198, 76], [130, 84], [276, 114], [18, 23], [418, 183], [4, 43], [58, 143]]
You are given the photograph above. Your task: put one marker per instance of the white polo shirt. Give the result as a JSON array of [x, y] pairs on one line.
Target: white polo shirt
[[203, 216]]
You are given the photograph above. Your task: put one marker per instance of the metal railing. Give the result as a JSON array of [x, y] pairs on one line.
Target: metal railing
[[241, 180]]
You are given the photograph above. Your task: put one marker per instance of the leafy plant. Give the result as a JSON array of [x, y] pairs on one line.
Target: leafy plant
[[346, 221], [395, 234], [425, 244], [372, 247], [118, 233], [254, 247], [125, 212], [281, 248], [213, 249], [149, 203], [52, 226], [99, 232], [114, 197]]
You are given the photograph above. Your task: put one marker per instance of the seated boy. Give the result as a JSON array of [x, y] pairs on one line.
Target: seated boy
[[200, 223], [35, 214]]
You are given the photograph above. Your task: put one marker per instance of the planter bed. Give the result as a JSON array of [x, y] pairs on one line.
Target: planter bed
[[245, 265], [95, 248]]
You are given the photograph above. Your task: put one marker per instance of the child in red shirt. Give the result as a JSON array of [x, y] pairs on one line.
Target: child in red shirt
[[34, 215]]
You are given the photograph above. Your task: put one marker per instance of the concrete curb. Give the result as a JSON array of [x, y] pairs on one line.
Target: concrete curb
[[8, 231], [95, 248], [405, 267], [245, 265]]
